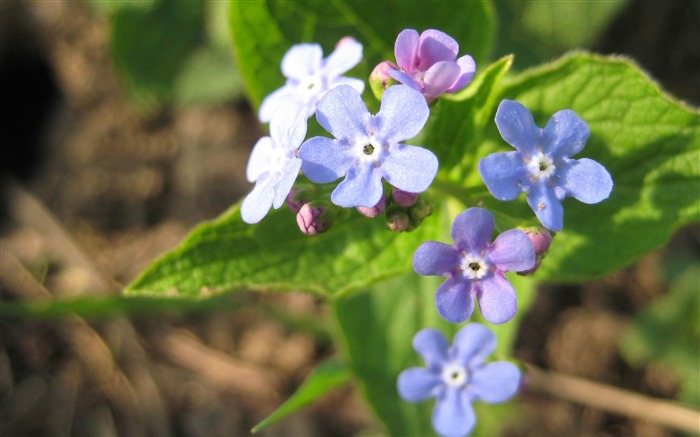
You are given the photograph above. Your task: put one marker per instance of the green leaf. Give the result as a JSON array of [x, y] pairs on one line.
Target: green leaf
[[325, 378], [377, 330], [230, 255], [263, 31]]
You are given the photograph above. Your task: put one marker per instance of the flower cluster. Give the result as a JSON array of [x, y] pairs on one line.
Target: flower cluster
[[378, 173]]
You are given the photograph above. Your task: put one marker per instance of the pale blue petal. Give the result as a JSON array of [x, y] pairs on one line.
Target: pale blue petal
[[362, 187], [288, 126], [405, 79], [432, 346], [472, 229], [497, 299], [343, 113], [467, 69], [517, 127], [325, 160], [439, 77], [505, 174], [402, 115], [512, 251], [495, 382], [565, 135], [433, 258], [258, 202], [454, 300], [406, 49], [286, 182], [281, 97], [410, 168], [587, 180], [302, 60], [547, 206], [453, 415], [260, 157], [473, 344], [417, 384], [436, 46], [347, 54], [357, 84]]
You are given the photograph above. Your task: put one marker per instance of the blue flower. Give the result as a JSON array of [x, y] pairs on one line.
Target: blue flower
[[273, 164], [310, 77], [457, 376], [474, 267], [366, 147], [542, 166]]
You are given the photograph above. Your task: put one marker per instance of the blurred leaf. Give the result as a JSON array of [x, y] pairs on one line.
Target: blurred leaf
[[209, 76], [668, 332], [377, 329], [263, 31], [112, 6], [230, 255], [325, 378]]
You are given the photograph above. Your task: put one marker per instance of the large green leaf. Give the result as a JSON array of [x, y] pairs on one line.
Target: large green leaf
[[230, 255], [648, 142], [263, 31], [377, 329]]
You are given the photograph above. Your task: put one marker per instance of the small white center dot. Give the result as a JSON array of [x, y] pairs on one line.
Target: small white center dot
[[474, 267]]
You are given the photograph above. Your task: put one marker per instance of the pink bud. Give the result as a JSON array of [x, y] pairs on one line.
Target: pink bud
[[374, 211], [397, 220], [404, 198], [380, 80], [313, 220], [541, 240]]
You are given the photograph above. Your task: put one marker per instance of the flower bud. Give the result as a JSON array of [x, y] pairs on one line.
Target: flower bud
[[314, 219], [541, 240], [420, 210], [380, 80], [404, 198], [374, 211], [397, 220]]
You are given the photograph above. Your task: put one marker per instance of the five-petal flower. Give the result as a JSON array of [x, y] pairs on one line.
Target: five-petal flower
[[428, 62], [310, 77], [542, 166], [273, 164], [366, 147], [474, 267], [457, 376]]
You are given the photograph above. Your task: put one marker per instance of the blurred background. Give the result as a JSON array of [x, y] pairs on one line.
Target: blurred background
[[124, 124]]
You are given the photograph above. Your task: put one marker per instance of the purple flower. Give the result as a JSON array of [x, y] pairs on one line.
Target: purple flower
[[457, 376], [310, 77], [474, 267], [366, 147], [273, 164], [542, 166], [427, 63]]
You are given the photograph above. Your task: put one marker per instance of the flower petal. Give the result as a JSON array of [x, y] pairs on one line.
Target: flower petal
[[258, 202], [497, 299], [517, 127], [505, 174], [286, 181], [346, 55], [417, 384], [325, 160], [259, 161], [432, 346], [288, 127], [343, 113], [281, 97], [496, 382], [406, 49], [404, 78], [587, 180], [357, 84], [455, 300], [436, 46], [453, 415], [473, 344], [565, 134], [547, 206], [302, 60], [472, 229], [512, 251], [362, 187], [439, 77], [466, 74], [410, 168], [402, 115], [433, 258]]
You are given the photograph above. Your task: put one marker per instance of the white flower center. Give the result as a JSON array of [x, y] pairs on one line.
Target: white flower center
[[368, 149], [311, 85], [474, 267], [541, 166], [279, 160], [454, 375]]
